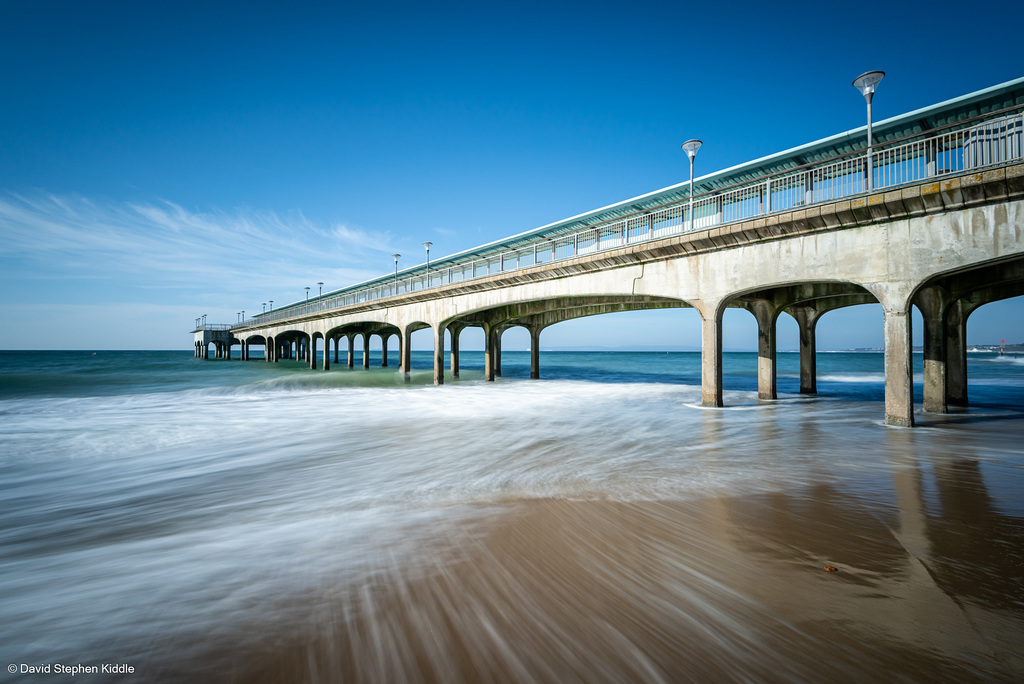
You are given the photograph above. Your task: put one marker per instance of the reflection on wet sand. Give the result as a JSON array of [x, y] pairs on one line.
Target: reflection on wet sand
[[721, 589]]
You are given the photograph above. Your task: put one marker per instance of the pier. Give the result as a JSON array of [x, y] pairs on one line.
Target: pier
[[930, 214]]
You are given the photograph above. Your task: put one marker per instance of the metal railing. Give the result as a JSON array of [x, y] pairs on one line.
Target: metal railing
[[988, 144]]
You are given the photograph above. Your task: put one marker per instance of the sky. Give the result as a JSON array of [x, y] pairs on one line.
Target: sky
[[164, 160]]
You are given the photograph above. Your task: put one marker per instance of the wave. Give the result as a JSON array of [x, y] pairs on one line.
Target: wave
[[852, 377], [1009, 360]]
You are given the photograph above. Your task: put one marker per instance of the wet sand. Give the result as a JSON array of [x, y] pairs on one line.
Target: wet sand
[[255, 529], [714, 590]]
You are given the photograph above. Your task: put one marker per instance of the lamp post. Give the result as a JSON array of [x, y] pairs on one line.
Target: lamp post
[[691, 146], [866, 84], [319, 296], [307, 296], [396, 256], [204, 321], [427, 246], [271, 302], [243, 315], [264, 307]]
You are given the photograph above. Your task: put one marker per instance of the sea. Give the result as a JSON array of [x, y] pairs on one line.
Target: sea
[[169, 519]]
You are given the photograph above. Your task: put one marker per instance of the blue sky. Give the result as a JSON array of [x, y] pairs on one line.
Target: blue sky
[[162, 160]]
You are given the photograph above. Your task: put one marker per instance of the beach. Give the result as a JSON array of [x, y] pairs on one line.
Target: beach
[[253, 522]]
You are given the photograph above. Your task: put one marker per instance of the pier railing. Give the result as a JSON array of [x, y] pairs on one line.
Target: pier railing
[[992, 143]]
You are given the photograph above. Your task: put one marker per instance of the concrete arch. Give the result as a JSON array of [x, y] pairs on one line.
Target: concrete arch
[[366, 329], [535, 315], [813, 298], [946, 301], [406, 329], [292, 344], [313, 337]]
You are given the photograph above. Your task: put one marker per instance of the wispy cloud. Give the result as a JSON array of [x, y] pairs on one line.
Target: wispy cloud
[[164, 245]]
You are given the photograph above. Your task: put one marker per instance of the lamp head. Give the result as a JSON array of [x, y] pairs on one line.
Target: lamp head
[[691, 146], [867, 82]]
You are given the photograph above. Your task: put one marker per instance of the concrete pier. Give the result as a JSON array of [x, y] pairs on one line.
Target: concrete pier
[[945, 244]]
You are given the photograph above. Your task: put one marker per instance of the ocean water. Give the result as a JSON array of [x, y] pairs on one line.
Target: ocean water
[[224, 521]]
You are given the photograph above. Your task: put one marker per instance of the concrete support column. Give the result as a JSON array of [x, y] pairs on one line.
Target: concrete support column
[[766, 315], [930, 302], [899, 381], [807, 322], [337, 347], [327, 353], [955, 333], [311, 352], [405, 352], [488, 352], [366, 351], [711, 353], [535, 352], [455, 329], [439, 354], [351, 349], [497, 349], [384, 349]]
